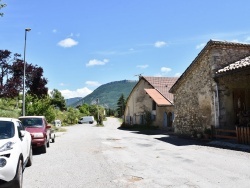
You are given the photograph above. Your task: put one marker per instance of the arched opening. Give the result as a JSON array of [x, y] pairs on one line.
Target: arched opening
[[169, 119]]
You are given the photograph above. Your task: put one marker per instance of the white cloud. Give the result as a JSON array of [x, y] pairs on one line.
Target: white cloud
[[54, 31], [177, 74], [199, 46], [165, 69], [160, 44], [94, 62], [248, 39], [92, 83], [235, 40], [62, 84], [67, 43], [77, 93], [142, 66], [158, 75]]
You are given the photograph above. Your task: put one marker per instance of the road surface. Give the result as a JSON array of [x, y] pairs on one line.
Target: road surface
[[90, 157]]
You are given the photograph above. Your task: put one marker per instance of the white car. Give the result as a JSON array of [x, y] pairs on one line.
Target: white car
[[15, 152], [87, 119]]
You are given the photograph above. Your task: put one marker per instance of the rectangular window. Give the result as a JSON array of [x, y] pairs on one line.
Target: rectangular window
[[154, 105]]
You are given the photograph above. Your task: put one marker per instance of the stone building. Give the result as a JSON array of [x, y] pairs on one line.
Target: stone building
[[150, 97], [215, 89]]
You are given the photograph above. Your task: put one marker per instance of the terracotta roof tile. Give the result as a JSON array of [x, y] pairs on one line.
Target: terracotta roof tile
[[245, 62], [162, 84], [157, 97]]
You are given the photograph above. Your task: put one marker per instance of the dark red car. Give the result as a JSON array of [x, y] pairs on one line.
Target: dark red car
[[39, 129]]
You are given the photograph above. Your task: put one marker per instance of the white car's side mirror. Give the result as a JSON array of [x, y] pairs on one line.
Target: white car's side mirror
[[22, 133]]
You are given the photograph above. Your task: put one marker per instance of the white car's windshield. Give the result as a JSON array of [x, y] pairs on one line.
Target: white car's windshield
[[32, 122], [6, 130]]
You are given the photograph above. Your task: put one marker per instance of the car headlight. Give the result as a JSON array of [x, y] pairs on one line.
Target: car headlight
[[7, 146], [2, 162], [38, 135]]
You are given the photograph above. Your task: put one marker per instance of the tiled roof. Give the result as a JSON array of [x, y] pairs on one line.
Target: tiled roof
[[210, 44], [243, 63], [157, 97], [162, 84]]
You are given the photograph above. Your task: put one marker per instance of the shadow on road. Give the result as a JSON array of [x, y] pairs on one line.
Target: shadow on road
[[177, 140]]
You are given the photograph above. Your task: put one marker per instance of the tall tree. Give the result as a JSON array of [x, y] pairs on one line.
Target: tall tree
[[1, 6], [57, 99], [121, 105], [11, 77]]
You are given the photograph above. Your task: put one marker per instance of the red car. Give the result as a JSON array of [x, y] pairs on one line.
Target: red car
[[39, 129]]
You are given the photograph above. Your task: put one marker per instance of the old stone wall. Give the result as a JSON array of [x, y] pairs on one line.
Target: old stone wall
[[195, 99]]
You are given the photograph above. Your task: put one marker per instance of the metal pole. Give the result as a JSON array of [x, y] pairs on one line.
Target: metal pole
[[97, 101], [24, 68]]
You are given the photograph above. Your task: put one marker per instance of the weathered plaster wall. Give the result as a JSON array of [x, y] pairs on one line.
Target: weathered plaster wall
[[139, 102]]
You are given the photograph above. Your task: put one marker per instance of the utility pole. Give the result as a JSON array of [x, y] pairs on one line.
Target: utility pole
[[97, 102]]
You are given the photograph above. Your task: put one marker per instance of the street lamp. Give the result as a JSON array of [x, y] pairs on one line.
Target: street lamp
[[24, 67]]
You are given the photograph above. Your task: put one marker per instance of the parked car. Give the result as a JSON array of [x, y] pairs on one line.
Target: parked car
[[87, 119], [15, 152], [40, 131]]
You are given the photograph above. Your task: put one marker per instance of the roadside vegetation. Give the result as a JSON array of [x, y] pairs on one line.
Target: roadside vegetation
[[37, 99]]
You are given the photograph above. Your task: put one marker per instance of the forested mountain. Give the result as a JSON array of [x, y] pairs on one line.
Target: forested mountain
[[72, 100], [108, 94]]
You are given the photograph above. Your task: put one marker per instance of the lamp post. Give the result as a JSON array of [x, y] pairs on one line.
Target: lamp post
[[24, 67]]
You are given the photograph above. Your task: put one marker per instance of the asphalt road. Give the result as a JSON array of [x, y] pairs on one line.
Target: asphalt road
[[90, 157]]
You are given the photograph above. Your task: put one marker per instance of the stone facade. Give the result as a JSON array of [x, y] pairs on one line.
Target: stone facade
[[201, 99]]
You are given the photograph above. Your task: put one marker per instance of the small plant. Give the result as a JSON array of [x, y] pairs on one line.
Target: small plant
[[207, 131]]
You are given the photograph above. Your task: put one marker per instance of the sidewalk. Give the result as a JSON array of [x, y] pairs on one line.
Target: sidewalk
[[229, 145]]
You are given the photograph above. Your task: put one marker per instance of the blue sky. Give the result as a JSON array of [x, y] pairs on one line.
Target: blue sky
[[82, 44]]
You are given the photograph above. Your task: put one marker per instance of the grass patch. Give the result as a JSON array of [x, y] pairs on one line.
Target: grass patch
[[59, 129], [98, 125]]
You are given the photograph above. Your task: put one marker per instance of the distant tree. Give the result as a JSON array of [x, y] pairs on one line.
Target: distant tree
[[72, 115], [40, 106], [121, 103], [57, 100], [99, 114], [84, 109], [1, 6], [92, 109]]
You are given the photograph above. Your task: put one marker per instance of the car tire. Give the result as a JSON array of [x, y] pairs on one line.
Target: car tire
[[53, 139], [30, 160], [19, 175], [44, 148], [48, 144]]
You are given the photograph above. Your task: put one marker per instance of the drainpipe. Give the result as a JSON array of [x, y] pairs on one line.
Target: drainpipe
[[217, 110]]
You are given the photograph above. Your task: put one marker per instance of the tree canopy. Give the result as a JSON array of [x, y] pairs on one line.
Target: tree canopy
[[57, 100], [1, 6], [121, 104], [11, 76]]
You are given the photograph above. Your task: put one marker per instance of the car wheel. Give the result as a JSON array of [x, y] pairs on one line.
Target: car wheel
[[30, 160], [19, 175], [44, 148]]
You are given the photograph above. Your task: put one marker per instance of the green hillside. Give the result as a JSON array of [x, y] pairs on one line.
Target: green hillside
[[108, 94]]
